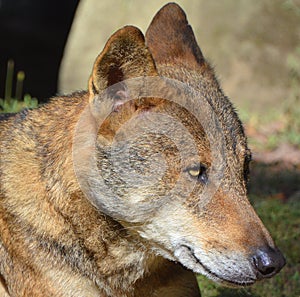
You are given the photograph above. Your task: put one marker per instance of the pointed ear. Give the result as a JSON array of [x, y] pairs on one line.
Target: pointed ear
[[124, 56], [171, 39]]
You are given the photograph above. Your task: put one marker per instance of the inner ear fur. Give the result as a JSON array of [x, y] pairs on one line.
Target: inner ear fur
[[124, 56], [170, 38]]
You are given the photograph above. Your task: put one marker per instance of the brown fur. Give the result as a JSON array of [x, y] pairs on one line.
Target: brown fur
[[56, 240]]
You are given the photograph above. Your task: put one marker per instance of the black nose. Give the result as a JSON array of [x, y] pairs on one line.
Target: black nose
[[268, 262]]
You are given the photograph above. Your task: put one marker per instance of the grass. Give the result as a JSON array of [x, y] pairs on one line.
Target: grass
[[10, 103]]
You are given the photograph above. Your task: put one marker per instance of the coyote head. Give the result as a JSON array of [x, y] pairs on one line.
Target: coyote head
[[166, 155]]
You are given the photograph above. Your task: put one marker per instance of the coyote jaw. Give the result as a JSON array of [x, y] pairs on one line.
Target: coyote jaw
[[187, 256]]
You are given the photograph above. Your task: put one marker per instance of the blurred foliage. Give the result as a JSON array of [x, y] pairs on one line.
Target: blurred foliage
[[292, 110], [283, 125], [11, 104]]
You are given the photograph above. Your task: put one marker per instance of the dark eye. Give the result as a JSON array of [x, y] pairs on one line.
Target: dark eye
[[198, 172]]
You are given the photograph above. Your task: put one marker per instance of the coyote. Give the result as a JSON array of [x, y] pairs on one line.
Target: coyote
[[133, 186]]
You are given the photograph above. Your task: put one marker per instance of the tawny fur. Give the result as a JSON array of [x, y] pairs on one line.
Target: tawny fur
[[55, 241]]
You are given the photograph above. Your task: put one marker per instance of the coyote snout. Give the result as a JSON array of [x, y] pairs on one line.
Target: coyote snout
[[222, 246], [129, 188]]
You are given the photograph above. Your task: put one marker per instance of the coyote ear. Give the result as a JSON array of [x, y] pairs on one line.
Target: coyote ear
[[124, 56], [170, 38]]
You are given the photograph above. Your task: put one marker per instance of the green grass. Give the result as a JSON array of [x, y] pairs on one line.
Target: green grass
[[10, 103], [13, 105], [275, 194]]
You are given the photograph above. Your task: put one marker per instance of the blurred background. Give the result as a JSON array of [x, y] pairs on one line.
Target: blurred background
[[48, 47]]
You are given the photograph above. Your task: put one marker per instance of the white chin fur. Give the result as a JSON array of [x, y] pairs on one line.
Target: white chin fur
[[186, 257]]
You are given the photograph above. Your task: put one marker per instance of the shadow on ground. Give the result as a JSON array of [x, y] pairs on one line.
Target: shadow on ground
[[279, 180]]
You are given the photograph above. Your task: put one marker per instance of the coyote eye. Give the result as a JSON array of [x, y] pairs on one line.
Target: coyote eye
[[198, 172]]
